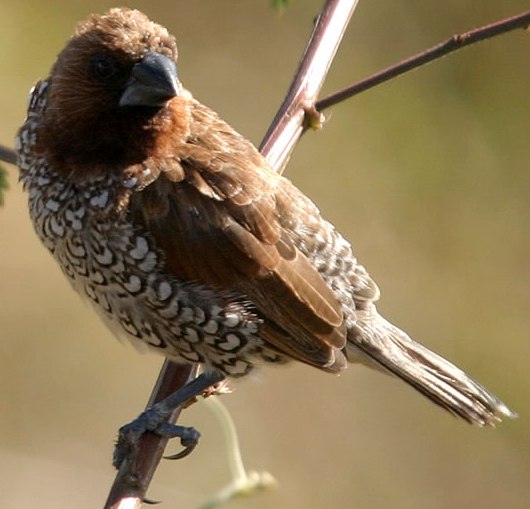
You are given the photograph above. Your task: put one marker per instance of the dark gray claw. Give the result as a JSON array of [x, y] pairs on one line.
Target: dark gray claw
[[154, 419]]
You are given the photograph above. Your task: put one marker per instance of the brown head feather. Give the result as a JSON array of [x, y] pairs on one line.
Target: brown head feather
[[84, 129]]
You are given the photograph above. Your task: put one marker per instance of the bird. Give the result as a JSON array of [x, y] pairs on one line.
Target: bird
[[185, 241]]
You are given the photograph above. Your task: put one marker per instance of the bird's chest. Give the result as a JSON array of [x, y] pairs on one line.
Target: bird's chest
[[118, 269], [102, 255]]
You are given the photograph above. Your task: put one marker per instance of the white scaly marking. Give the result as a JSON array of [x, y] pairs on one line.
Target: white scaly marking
[[141, 248], [164, 290], [104, 258], [100, 200], [191, 335], [231, 342], [231, 319], [52, 205], [134, 284], [56, 227], [211, 327], [149, 263], [186, 315]]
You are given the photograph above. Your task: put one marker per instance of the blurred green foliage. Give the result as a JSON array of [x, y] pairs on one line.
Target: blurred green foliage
[[3, 183], [280, 4]]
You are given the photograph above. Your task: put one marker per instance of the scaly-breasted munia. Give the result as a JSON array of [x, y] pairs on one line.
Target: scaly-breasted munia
[[185, 240]]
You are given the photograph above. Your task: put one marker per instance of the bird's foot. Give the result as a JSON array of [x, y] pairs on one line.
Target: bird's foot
[[154, 420]]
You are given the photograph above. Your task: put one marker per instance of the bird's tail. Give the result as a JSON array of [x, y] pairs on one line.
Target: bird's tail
[[376, 342]]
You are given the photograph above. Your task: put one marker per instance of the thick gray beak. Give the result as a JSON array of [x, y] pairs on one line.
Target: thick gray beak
[[153, 82]]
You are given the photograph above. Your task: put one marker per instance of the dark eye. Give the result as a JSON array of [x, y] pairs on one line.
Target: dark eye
[[104, 67]]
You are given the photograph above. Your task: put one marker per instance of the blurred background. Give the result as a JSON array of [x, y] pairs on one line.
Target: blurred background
[[426, 175]]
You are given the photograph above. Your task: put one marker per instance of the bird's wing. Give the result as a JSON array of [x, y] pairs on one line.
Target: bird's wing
[[221, 219]]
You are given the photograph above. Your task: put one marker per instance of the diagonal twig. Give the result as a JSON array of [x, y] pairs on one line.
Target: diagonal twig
[[8, 155], [290, 122], [456, 42]]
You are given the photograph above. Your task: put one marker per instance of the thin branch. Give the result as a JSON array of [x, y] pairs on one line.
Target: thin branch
[[456, 42], [289, 123], [8, 155]]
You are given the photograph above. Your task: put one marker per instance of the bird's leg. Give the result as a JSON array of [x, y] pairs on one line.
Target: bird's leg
[[154, 419]]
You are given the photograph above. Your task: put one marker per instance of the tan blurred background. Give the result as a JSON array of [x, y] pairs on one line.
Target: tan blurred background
[[427, 176]]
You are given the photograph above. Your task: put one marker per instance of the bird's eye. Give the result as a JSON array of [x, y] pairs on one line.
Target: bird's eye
[[104, 67]]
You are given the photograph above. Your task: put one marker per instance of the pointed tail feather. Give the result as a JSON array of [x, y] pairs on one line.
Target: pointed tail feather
[[378, 343]]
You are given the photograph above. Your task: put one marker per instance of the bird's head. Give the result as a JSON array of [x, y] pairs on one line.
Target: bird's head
[[113, 94]]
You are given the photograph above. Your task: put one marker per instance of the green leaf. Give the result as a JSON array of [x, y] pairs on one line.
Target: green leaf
[[280, 5], [3, 184]]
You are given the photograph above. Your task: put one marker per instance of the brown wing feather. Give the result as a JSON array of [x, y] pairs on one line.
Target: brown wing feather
[[221, 226]]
